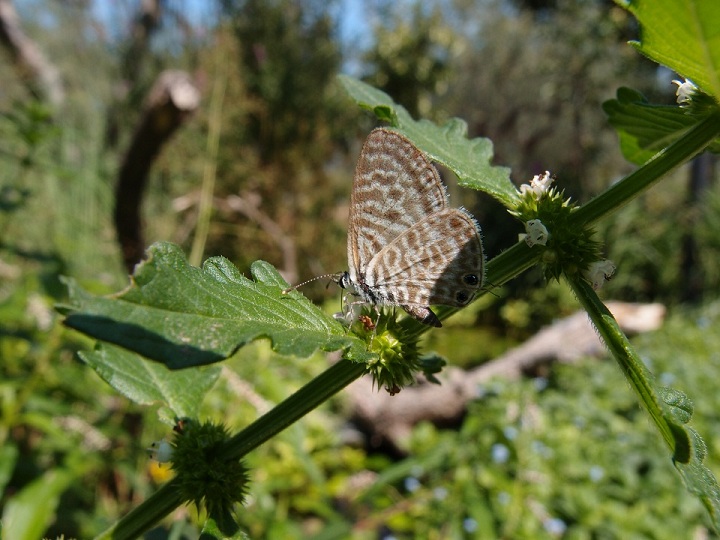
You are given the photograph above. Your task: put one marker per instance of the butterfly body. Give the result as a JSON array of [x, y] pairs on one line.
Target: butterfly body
[[406, 247]]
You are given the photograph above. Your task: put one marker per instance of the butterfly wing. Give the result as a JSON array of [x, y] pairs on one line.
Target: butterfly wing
[[395, 186], [439, 260]]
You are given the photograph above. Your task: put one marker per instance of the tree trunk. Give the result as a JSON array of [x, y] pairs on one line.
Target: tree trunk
[[171, 100]]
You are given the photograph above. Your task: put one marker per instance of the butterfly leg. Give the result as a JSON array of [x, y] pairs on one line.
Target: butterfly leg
[[348, 314]]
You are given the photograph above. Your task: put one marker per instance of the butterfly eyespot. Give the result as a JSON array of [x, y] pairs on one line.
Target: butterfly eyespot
[[462, 297], [470, 279]]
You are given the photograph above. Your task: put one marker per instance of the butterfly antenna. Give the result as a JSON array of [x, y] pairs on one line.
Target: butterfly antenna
[[334, 277]]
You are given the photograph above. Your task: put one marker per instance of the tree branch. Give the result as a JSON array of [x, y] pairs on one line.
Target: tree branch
[[173, 97], [39, 75]]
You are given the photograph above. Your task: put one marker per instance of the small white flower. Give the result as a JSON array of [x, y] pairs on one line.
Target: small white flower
[[161, 451], [539, 185], [537, 233], [599, 272], [685, 92]]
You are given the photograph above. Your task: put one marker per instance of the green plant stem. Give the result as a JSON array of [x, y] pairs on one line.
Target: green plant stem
[[509, 264], [679, 152], [145, 515], [210, 168], [310, 396], [635, 371]]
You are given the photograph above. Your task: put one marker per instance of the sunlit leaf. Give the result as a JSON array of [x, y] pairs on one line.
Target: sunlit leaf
[[682, 35], [448, 144], [185, 316]]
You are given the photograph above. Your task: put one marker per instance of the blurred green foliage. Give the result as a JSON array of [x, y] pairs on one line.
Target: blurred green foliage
[[532, 459], [567, 455]]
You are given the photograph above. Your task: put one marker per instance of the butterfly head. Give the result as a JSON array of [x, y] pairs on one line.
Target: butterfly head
[[342, 279]]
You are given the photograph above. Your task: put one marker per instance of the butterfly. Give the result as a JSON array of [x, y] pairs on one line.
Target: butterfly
[[406, 247]]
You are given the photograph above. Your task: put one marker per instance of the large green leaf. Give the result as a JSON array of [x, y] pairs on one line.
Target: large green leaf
[[185, 316], [469, 159], [683, 35], [146, 382], [645, 129]]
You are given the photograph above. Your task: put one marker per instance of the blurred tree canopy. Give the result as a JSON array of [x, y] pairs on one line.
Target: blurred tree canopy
[[530, 76]]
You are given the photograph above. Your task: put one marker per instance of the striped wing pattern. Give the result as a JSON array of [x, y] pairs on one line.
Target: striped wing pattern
[[405, 246]]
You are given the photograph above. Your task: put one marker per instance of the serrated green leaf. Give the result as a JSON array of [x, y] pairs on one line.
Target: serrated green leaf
[[645, 129], [147, 382], [682, 35], [678, 403], [469, 159], [185, 316], [28, 513], [699, 480]]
